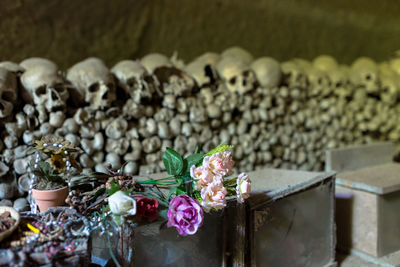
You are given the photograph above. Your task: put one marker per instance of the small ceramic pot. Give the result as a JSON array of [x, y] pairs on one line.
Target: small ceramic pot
[[46, 199]]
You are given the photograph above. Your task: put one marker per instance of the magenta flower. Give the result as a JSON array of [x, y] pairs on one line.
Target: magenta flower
[[185, 214]]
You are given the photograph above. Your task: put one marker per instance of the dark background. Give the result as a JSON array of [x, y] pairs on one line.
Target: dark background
[[69, 31]]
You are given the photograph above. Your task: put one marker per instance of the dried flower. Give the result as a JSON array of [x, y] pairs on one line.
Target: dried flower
[[243, 187], [185, 214], [54, 145], [121, 204], [57, 162], [213, 196], [147, 208]]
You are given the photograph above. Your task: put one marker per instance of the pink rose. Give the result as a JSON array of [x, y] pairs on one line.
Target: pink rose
[[220, 163], [213, 196], [243, 187], [201, 175], [185, 214]]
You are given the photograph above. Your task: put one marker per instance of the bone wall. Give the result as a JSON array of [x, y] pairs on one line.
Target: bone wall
[[277, 114], [68, 31]]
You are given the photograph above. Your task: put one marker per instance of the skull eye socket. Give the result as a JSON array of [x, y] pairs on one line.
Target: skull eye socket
[[59, 88], [299, 78], [338, 84], [319, 81], [368, 77], [8, 96], [110, 86], [131, 82], [40, 90], [94, 88], [54, 96], [232, 80]]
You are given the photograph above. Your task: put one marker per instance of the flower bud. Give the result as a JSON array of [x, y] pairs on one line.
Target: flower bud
[[121, 204], [243, 187]]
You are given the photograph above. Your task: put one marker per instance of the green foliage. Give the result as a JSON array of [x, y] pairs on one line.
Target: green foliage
[[194, 159], [163, 214], [173, 162], [47, 178], [114, 188], [220, 148]]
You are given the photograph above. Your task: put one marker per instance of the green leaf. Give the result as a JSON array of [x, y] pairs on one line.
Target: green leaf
[[163, 213], [114, 188], [171, 192], [194, 159], [173, 162], [220, 148], [117, 219], [180, 192], [197, 150]]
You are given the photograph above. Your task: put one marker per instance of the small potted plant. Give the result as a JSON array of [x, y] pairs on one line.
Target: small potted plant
[[51, 170]]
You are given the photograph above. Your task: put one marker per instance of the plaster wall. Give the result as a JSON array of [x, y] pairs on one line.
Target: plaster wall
[[68, 31]]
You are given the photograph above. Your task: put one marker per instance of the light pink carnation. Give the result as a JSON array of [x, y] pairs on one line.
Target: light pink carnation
[[213, 196], [201, 175], [220, 163], [243, 187]]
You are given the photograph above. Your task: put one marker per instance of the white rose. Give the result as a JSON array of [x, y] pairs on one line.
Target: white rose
[[121, 204], [243, 187]]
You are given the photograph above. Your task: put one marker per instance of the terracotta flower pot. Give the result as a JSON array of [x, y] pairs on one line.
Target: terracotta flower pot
[[46, 199]]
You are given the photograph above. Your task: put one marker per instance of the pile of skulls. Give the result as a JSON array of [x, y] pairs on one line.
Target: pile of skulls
[[282, 115]]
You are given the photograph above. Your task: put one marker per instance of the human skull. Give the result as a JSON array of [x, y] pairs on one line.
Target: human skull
[[236, 75], [293, 75], [36, 62], [389, 93], [12, 66], [319, 83], [364, 74], [93, 81], [239, 53], [43, 84], [302, 63], [174, 81], [268, 72], [155, 60], [135, 80], [203, 69], [8, 92], [325, 63], [340, 83], [394, 62]]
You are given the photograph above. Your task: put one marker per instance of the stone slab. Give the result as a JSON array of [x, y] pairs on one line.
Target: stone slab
[[356, 257], [356, 228], [359, 156], [274, 184], [381, 179]]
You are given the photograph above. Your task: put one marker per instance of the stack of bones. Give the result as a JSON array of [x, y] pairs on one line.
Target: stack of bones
[[281, 115]]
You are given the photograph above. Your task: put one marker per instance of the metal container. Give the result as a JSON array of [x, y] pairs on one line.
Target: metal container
[[291, 219]]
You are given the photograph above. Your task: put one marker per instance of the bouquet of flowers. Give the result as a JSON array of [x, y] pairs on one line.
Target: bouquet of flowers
[[197, 183]]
